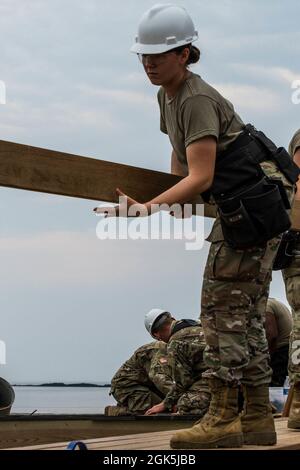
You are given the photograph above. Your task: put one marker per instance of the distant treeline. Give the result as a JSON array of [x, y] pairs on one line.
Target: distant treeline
[[62, 384]]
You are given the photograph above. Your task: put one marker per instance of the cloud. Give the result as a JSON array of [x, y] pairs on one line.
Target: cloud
[[273, 74], [81, 259], [123, 96], [249, 97], [61, 118], [134, 79], [73, 116]]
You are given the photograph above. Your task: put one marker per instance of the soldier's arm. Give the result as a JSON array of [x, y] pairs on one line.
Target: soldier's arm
[[161, 376], [160, 373], [182, 374]]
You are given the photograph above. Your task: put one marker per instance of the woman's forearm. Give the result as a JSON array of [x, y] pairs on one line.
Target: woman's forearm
[[184, 191]]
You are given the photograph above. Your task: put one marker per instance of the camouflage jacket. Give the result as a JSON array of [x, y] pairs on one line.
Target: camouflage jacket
[[185, 355], [148, 366]]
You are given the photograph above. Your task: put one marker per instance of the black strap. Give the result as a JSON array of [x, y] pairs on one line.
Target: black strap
[[241, 141], [282, 158], [259, 148], [254, 140], [179, 325]]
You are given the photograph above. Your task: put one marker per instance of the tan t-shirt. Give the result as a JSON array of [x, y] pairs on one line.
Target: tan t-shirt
[[283, 319], [196, 111], [295, 143]]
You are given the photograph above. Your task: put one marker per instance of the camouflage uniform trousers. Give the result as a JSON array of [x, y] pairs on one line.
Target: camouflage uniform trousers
[[136, 398], [234, 295], [291, 276], [144, 379], [194, 401], [235, 290]]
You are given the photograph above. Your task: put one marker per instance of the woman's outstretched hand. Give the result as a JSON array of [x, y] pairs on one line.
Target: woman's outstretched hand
[[128, 207]]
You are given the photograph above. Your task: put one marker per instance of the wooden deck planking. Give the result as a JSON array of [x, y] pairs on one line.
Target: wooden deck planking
[[22, 430], [287, 439]]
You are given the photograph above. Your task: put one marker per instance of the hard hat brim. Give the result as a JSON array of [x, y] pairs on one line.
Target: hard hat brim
[[139, 48]]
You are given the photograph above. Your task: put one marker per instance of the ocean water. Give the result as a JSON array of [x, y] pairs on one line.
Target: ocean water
[[58, 400], [61, 399]]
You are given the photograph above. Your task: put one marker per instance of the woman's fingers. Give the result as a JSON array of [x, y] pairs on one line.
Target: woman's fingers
[[128, 207], [107, 211]]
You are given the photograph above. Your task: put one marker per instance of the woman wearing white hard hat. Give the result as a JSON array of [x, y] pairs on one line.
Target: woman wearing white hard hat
[[251, 182]]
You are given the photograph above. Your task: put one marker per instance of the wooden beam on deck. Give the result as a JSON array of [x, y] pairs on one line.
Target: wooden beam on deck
[[50, 171]]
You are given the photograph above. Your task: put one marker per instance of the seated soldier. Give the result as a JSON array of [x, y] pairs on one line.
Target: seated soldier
[[278, 326], [185, 345], [142, 381]]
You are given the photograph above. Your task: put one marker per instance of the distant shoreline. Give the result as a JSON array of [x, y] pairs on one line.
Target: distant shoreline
[[62, 384]]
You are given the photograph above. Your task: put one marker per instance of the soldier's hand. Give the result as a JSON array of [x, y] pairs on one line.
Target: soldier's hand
[[123, 209], [160, 408]]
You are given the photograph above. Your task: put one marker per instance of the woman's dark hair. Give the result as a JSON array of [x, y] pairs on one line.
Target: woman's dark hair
[[194, 53]]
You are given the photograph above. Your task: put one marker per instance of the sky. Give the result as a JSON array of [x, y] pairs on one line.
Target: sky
[[72, 306]]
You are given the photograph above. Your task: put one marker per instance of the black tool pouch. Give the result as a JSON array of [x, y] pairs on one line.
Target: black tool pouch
[[279, 155], [236, 170], [254, 216], [285, 253], [282, 191]]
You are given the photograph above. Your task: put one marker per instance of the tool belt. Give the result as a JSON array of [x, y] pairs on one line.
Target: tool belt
[[286, 250], [252, 207]]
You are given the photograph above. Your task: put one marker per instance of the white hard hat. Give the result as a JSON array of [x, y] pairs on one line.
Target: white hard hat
[[162, 28], [152, 317]]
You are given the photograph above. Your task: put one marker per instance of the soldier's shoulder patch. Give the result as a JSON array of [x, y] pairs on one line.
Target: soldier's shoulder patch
[[163, 360]]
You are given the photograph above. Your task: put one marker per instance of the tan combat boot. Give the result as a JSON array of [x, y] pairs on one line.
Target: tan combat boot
[[220, 427], [115, 410], [294, 416], [257, 419]]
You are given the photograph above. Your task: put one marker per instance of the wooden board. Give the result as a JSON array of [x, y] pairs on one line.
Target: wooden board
[[24, 430], [287, 440], [49, 171]]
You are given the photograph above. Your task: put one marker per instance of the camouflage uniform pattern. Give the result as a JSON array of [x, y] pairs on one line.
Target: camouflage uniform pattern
[[234, 294], [295, 143], [291, 276], [144, 379], [185, 354]]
